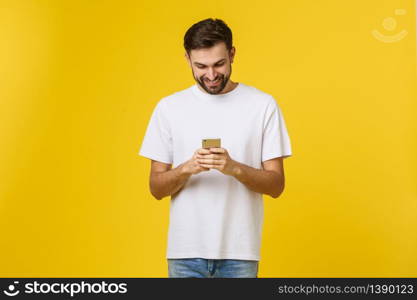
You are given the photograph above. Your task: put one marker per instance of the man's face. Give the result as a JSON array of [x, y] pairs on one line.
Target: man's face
[[212, 67]]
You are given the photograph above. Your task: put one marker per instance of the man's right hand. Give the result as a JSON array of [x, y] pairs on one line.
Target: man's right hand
[[165, 181], [192, 166]]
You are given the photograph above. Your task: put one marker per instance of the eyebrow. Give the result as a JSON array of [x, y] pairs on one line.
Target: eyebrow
[[197, 63]]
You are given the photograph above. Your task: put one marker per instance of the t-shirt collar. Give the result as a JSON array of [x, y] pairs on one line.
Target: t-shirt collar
[[196, 90]]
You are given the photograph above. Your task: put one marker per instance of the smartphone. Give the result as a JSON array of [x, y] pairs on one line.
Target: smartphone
[[211, 143]]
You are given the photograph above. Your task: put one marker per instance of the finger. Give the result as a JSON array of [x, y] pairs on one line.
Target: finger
[[213, 156], [198, 165], [217, 150], [209, 161], [203, 151], [208, 166]]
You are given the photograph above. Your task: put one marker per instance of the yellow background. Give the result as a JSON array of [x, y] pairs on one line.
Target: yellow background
[[79, 81]]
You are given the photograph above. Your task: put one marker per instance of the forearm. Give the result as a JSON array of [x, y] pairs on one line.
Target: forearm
[[261, 181], [167, 183]]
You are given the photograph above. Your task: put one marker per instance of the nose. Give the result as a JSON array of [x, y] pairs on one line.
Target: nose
[[211, 75]]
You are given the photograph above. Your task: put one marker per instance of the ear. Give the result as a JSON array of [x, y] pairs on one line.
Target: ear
[[232, 54], [187, 58]]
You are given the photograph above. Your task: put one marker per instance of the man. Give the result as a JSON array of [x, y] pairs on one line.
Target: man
[[216, 208]]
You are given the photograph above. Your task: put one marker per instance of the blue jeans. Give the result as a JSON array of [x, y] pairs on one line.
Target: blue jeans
[[212, 268]]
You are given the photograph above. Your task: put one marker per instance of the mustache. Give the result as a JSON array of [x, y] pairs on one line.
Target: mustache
[[218, 78]]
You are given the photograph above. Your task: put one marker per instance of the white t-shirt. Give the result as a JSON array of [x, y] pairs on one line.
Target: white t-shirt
[[215, 216]]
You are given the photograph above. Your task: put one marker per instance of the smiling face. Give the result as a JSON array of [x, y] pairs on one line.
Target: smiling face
[[212, 67]]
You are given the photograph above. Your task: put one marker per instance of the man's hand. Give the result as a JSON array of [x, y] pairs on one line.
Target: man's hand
[[217, 158], [192, 166]]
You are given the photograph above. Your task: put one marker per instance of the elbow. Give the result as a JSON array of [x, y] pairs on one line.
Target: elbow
[[154, 192], [275, 194], [156, 195]]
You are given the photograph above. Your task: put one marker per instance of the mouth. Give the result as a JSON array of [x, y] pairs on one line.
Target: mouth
[[214, 83]]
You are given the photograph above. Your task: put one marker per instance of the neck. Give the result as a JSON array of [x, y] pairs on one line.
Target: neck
[[230, 86]]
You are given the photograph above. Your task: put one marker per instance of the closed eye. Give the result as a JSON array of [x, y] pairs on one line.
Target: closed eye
[[203, 67]]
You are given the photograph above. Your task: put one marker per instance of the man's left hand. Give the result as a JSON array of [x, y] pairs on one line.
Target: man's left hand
[[218, 159]]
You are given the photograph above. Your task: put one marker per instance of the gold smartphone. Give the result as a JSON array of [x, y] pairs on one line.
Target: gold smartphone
[[211, 143]]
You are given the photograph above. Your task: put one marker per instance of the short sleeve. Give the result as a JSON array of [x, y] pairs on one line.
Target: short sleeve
[[275, 139], [157, 142]]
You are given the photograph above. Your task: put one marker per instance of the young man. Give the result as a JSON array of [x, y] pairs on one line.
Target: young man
[[216, 208]]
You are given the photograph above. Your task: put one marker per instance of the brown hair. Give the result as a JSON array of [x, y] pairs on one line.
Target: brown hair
[[206, 34]]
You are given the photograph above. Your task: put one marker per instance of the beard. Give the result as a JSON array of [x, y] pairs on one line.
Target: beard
[[214, 90]]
